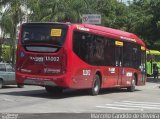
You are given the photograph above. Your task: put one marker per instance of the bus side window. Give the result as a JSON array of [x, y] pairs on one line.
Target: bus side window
[[109, 55], [80, 45]]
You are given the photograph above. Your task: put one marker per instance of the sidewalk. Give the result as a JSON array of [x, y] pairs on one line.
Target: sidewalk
[[152, 80]]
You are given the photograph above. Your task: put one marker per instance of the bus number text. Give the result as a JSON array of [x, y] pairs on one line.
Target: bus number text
[[86, 72], [46, 58], [55, 59]]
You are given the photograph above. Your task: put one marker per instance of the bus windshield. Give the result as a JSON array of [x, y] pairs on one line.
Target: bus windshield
[[43, 37]]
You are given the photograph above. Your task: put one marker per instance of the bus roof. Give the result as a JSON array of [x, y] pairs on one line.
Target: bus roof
[[155, 52], [123, 35]]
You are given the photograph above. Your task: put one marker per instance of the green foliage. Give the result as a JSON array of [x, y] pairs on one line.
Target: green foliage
[[6, 53], [141, 17], [9, 20]]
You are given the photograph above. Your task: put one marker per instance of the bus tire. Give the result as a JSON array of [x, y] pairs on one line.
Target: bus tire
[[51, 89], [1, 83], [20, 85], [133, 85], [96, 85]]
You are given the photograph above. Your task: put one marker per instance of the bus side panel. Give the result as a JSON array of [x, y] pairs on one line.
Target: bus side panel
[[81, 73], [109, 77], [127, 76], [141, 79]]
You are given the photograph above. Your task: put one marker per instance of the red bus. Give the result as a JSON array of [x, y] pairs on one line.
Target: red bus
[[79, 56]]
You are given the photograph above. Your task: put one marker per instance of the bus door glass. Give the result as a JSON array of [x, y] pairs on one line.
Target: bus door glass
[[119, 57], [143, 65], [149, 63]]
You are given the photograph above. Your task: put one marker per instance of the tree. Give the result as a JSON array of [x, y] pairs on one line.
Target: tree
[[145, 16], [139, 16], [57, 10], [12, 14]]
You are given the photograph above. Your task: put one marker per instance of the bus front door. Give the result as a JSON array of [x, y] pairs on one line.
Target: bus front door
[[119, 61]]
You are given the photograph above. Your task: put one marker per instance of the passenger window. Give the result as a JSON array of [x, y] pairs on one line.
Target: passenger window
[[2, 67], [9, 68]]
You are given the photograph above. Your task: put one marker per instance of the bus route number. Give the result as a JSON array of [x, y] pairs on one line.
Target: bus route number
[[46, 58], [55, 59]]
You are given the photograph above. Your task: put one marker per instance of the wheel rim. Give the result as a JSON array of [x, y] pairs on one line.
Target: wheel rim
[[1, 84], [96, 85], [133, 84]]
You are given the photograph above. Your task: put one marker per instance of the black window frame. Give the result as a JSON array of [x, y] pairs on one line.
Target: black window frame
[[4, 68], [56, 46], [95, 37], [134, 60]]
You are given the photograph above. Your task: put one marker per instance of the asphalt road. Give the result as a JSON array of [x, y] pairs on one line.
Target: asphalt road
[[34, 99]]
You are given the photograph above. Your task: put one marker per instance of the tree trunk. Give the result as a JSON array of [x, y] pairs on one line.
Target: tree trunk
[[15, 22]]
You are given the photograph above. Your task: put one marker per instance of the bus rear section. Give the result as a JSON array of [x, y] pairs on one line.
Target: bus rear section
[[41, 59]]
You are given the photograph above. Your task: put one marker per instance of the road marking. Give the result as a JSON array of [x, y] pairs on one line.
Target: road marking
[[156, 86], [131, 105], [151, 103], [7, 99], [119, 108]]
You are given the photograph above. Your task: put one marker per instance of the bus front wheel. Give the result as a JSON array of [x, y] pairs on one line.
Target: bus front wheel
[[96, 85]]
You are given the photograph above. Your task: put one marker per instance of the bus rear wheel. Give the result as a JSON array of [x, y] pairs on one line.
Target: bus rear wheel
[[96, 85], [51, 89], [20, 85], [133, 85], [1, 83]]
